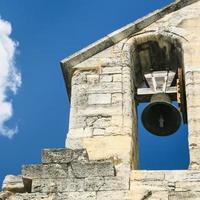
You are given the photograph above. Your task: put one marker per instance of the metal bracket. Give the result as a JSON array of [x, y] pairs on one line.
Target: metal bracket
[[158, 82]]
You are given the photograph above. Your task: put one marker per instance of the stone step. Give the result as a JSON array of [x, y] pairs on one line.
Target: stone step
[[30, 196], [13, 184], [57, 185], [100, 195], [55, 196], [45, 171], [93, 169], [79, 185], [77, 169], [16, 184], [63, 155]]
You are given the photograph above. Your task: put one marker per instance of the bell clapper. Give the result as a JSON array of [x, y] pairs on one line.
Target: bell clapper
[[161, 121]]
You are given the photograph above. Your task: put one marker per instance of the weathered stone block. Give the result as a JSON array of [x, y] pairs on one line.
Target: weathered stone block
[[117, 77], [63, 155], [57, 185], [80, 132], [101, 168], [101, 110], [102, 122], [188, 186], [112, 70], [81, 92], [192, 77], [99, 99], [117, 120], [92, 78], [195, 156], [181, 175], [116, 195], [77, 122], [193, 114], [94, 183], [186, 195], [117, 98], [5, 195], [74, 143], [98, 132], [193, 100], [79, 78], [194, 140], [45, 171], [141, 194], [192, 89], [114, 131], [55, 196], [149, 185], [32, 196], [99, 148], [104, 88], [106, 78], [106, 184], [89, 121], [144, 175], [81, 196], [13, 184]]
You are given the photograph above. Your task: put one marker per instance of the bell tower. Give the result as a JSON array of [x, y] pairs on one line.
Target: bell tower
[[153, 60], [152, 65]]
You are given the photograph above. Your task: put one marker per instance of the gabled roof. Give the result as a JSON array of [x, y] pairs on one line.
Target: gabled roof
[[116, 36]]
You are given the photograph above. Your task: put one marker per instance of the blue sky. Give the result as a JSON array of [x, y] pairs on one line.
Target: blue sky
[[48, 31]]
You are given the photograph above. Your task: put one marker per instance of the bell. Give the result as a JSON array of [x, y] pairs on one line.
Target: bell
[[160, 117]]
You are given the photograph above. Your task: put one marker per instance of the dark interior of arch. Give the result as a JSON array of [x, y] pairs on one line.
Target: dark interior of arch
[[156, 55]]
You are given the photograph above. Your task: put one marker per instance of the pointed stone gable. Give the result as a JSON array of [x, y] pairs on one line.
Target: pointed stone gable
[[111, 39]]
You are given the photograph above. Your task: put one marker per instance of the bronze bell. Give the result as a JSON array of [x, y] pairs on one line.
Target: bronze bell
[[160, 117]]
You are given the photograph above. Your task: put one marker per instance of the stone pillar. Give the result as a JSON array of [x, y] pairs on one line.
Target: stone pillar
[[193, 109], [103, 115], [192, 81]]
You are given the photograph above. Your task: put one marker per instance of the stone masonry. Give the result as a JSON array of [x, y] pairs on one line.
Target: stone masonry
[[100, 160]]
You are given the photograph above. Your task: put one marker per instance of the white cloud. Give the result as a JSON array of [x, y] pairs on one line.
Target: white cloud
[[10, 78]]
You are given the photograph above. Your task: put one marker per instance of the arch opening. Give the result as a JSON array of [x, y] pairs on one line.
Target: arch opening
[[158, 69]]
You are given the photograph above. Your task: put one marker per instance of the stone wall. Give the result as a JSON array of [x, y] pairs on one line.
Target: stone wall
[[165, 185], [66, 174]]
